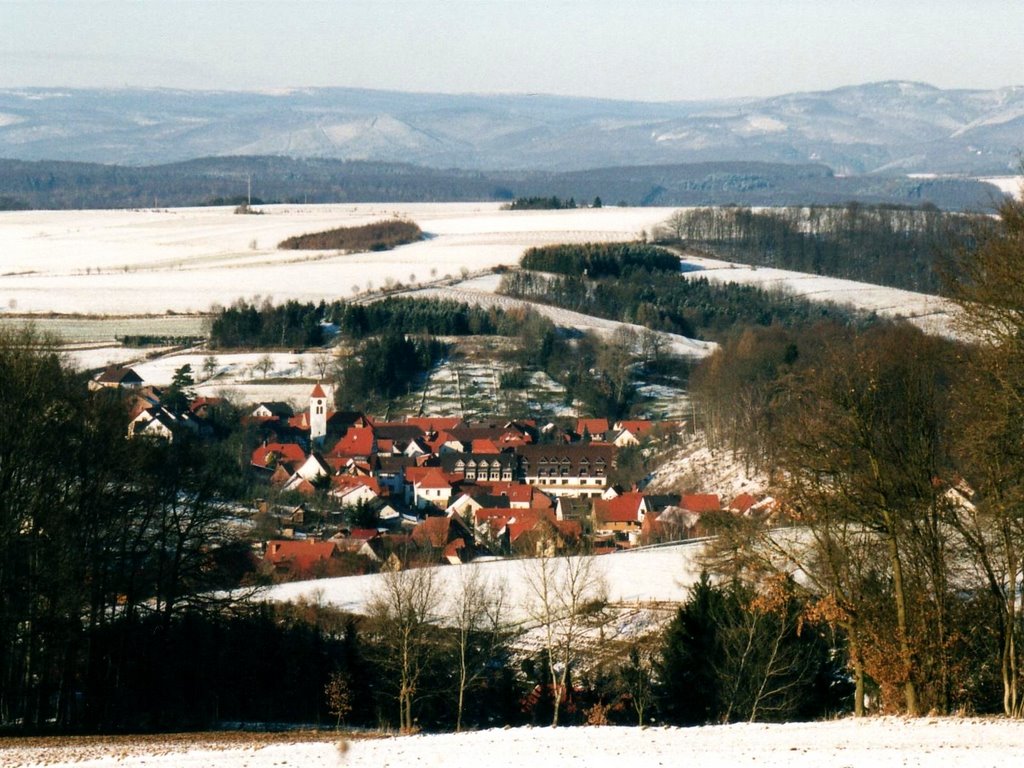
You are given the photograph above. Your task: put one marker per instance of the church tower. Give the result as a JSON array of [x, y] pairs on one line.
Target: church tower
[[317, 414]]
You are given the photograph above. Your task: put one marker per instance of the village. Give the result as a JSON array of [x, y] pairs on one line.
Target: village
[[346, 493]]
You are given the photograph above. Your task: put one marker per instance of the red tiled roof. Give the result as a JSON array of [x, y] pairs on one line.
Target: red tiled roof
[[593, 427], [434, 423], [434, 478], [624, 508], [700, 502], [298, 556], [742, 503], [318, 391], [300, 421], [484, 446], [432, 532], [283, 451], [525, 520], [637, 427], [339, 482], [357, 441]]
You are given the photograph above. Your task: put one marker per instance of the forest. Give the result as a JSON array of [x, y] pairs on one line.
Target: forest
[[210, 180], [376, 236], [890, 245], [693, 307]]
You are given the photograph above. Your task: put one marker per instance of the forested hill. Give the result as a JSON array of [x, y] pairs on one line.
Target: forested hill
[[888, 127], [225, 180]]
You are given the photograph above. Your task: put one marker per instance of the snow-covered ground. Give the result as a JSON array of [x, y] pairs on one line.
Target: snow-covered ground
[[876, 742], [930, 313], [469, 293], [1008, 185], [187, 259], [655, 575]]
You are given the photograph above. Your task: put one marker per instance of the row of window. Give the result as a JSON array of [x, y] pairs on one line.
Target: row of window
[[564, 481]]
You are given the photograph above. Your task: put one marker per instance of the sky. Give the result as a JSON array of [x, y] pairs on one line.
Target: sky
[[649, 50]]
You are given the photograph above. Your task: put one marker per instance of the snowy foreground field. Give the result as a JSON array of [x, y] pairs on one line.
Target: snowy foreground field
[[874, 743]]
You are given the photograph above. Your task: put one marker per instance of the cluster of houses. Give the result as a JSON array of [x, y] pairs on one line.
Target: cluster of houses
[[443, 489]]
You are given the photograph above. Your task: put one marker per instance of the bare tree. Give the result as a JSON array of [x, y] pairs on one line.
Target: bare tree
[[322, 362], [265, 365], [479, 607], [404, 612], [567, 595]]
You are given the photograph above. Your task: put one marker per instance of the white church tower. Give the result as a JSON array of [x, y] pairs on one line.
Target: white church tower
[[317, 415]]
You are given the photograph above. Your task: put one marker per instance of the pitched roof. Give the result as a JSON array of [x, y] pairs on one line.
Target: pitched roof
[[282, 451], [341, 483], [434, 478], [700, 502], [742, 503], [593, 427], [434, 423], [357, 441], [624, 508], [318, 391], [119, 374], [637, 427], [432, 532], [484, 445], [298, 556]]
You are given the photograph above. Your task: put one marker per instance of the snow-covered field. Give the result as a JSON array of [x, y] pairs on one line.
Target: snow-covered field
[[876, 742], [187, 259], [930, 313], [656, 575]]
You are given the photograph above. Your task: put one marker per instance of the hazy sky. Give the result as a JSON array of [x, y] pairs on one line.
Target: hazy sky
[[640, 49]]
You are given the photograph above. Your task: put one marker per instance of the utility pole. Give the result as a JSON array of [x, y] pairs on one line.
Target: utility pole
[[248, 194]]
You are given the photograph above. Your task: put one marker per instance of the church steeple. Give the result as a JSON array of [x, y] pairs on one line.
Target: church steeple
[[317, 414]]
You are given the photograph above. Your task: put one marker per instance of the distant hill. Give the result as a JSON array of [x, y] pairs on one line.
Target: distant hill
[[225, 180], [878, 128]]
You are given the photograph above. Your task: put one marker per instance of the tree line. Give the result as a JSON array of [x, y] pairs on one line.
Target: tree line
[[440, 317], [597, 260], [247, 324], [889, 245]]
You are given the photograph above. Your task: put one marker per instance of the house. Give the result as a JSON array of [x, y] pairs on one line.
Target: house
[[537, 533], [310, 474], [351, 490], [448, 539], [669, 524], [304, 558], [580, 469], [269, 455], [741, 504], [160, 423], [700, 503], [622, 516], [595, 429], [116, 377], [626, 433], [272, 410], [430, 486]]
